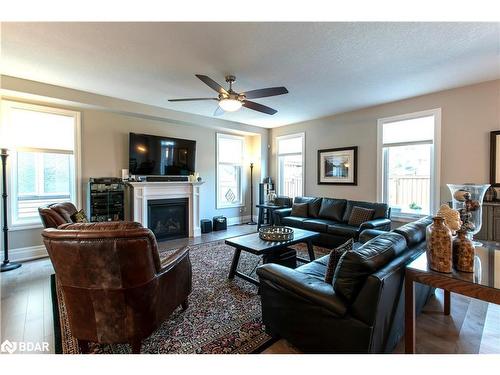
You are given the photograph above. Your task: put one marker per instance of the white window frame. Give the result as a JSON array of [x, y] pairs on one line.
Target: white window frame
[[7, 106], [303, 154], [435, 182], [241, 202]]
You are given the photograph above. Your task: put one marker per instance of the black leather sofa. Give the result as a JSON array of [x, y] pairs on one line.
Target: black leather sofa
[[363, 312], [329, 217]]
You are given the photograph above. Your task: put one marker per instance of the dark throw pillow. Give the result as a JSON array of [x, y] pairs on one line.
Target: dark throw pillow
[[332, 209], [299, 209], [79, 217], [335, 256], [359, 215]]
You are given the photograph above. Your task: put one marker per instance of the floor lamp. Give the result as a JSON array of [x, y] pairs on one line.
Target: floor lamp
[[251, 222], [6, 264]]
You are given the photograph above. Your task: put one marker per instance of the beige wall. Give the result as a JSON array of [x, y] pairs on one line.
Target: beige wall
[[104, 146], [468, 115]]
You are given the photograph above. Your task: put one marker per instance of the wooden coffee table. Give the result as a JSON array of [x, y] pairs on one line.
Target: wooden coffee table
[[253, 244], [482, 284]]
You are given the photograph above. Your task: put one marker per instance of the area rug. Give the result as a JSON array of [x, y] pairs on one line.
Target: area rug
[[224, 317]]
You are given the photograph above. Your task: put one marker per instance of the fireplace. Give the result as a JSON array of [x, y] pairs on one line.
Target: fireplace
[[169, 218]]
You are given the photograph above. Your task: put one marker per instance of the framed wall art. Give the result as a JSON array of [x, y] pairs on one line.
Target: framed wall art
[[338, 166]]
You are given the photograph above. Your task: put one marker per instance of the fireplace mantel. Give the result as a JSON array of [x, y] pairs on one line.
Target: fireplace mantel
[[142, 192]]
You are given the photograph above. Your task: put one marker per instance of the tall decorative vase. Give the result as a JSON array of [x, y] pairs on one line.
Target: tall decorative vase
[[463, 252], [468, 200], [439, 246]]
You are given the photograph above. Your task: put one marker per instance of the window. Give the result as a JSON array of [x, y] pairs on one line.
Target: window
[[230, 155], [290, 156], [408, 158], [42, 163]]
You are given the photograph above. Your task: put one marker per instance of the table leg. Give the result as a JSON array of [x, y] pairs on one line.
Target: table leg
[[270, 213], [261, 218], [447, 302], [234, 263], [409, 315], [310, 250]]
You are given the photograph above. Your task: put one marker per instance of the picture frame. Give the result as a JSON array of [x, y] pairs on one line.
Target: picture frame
[[338, 166]]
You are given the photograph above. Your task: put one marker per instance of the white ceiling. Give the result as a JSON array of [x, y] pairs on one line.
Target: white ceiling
[[327, 67]]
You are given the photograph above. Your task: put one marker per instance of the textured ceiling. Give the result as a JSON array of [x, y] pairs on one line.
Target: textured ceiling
[[327, 67]]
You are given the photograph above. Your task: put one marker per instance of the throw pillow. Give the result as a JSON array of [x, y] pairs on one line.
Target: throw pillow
[[359, 215], [79, 217], [299, 209], [335, 256]]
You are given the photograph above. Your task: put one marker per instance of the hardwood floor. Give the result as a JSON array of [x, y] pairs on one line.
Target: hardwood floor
[[26, 310]]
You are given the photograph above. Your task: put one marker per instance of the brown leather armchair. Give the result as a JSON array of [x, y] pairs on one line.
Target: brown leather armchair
[[55, 214], [116, 289]]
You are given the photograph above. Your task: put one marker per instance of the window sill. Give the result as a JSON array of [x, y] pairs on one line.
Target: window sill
[[240, 205], [406, 218], [25, 226]]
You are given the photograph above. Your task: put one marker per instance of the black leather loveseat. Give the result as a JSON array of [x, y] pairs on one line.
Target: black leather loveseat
[[330, 218], [362, 312]]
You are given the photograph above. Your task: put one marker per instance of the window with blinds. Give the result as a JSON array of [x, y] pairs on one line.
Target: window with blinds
[[42, 143], [408, 151]]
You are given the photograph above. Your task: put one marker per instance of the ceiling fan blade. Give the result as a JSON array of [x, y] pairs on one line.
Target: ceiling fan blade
[[190, 99], [218, 111], [212, 84], [262, 93], [259, 107]]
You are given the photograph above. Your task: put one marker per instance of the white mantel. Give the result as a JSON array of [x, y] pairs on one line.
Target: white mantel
[[142, 192]]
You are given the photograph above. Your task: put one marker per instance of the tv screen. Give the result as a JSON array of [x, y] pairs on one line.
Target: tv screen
[[162, 156]]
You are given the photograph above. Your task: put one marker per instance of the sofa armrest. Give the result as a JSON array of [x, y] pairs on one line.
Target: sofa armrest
[[280, 213], [294, 283], [381, 224], [368, 234]]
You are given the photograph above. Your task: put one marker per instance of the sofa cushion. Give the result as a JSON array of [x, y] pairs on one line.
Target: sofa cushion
[[340, 229], [414, 232], [359, 215], [316, 225], [381, 209], [332, 209], [293, 221], [299, 209], [314, 207], [303, 199], [316, 268], [334, 258], [355, 266]]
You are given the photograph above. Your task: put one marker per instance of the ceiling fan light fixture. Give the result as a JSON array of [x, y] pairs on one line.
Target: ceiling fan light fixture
[[230, 105]]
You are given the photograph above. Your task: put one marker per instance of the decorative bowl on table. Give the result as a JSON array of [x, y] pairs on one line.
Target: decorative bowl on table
[[276, 233]]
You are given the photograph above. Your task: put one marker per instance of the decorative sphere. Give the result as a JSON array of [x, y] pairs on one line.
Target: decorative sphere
[[460, 195]]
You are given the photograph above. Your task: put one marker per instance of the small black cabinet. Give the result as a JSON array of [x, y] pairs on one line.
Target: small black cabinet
[[105, 199]]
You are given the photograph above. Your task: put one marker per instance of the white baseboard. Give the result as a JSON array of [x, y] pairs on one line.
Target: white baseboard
[[240, 219], [22, 254]]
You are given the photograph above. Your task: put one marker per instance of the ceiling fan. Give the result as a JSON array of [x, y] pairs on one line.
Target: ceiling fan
[[231, 101]]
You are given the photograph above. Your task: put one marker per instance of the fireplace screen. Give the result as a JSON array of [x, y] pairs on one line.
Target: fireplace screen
[[168, 218]]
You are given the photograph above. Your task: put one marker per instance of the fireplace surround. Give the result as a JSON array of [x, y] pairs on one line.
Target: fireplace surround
[[141, 193]]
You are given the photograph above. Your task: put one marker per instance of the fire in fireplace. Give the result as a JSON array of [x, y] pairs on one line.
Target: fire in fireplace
[[169, 218]]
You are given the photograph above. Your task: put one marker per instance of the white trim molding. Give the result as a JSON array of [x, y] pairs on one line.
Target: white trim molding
[[435, 200], [23, 254]]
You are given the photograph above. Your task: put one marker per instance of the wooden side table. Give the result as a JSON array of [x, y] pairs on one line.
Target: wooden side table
[[480, 285], [270, 208]]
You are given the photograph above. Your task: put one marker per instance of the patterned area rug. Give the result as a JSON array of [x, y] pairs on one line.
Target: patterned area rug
[[224, 317]]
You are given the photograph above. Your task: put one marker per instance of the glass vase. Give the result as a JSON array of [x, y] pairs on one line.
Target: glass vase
[[439, 246], [468, 200]]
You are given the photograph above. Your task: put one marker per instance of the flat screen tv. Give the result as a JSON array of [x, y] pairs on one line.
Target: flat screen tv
[[151, 155]]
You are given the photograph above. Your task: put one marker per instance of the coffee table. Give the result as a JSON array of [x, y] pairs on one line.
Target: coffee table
[[253, 244], [482, 284]]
